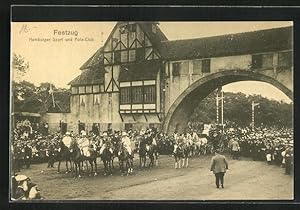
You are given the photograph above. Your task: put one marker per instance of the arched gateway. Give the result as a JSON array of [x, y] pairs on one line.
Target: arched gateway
[[182, 108]]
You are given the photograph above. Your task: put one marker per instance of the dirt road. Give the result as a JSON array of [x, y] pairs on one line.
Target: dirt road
[[246, 179]]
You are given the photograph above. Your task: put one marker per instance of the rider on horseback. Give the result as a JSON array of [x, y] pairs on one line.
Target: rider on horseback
[[84, 144], [67, 140], [126, 142]]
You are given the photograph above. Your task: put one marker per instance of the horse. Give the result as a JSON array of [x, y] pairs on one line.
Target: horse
[[77, 158], [178, 155], [107, 157], [92, 159], [142, 147], [125, 160], [152, 154], [186, 147], [64, 154]]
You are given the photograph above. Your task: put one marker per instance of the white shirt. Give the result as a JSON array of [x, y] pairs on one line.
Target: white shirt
[[67, 140]]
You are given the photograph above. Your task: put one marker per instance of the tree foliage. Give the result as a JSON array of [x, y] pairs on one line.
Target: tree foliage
[[38, 99], [19, 65], [237, 108]]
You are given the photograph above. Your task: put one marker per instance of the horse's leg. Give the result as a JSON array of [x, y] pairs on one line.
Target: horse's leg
[[112, 163], [131, 165], [128, 166], [156, 160], [76, 170], [58, 167], [87, 166], [140, 162], [121, 167], [176, 162], [95, 162], [110, 166], [105, 167], [67, 166], [79, 170], [92, 166], [144, 161]]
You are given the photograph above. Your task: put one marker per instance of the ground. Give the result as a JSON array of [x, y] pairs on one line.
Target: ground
[[246, 179]]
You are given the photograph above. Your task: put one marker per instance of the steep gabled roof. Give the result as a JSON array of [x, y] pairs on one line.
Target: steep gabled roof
[[89, 77], [227, 45], [155, 38], [95, 60]]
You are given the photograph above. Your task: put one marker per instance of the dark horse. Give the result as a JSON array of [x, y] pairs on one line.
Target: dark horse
[[77, 158], [92, 159], [142, 152], [64, 154], [125, 160], [186, 149], [152, 153], [178, 155], [107, 157]]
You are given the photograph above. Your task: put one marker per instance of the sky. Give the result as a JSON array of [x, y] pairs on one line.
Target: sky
[[53, 59]]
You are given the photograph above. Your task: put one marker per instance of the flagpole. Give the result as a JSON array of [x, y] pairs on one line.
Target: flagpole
[[51, 91]]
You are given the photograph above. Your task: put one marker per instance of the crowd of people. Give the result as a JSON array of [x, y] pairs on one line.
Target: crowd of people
[[269, 144]]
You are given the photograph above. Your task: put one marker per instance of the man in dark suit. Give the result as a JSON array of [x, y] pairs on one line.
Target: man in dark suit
[[219, 166]]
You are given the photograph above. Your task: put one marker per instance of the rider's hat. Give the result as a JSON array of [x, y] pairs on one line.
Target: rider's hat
[[20, 178], [67, 133], [124, 133]]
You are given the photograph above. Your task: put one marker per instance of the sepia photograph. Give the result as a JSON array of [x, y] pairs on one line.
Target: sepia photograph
[[149, 110]]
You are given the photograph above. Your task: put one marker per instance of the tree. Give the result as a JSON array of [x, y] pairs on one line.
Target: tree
[[237, 109], [20, 66], [29, 98]]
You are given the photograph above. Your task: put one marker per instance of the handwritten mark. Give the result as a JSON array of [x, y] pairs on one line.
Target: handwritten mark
[[25, 29]]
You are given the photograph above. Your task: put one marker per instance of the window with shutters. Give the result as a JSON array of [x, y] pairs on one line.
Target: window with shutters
[[262, 61], [205, 66], [285, 59], [176, 69], [256, 61], [267, 60], [124, 56], [149, 94], [125, 95], [197, 66], [131, 55], [137, 95]]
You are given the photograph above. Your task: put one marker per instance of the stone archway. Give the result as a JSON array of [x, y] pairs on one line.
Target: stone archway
[[184, 105]]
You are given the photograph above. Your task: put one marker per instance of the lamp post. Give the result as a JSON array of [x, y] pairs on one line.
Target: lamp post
[[222, 106], [253, 120]]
